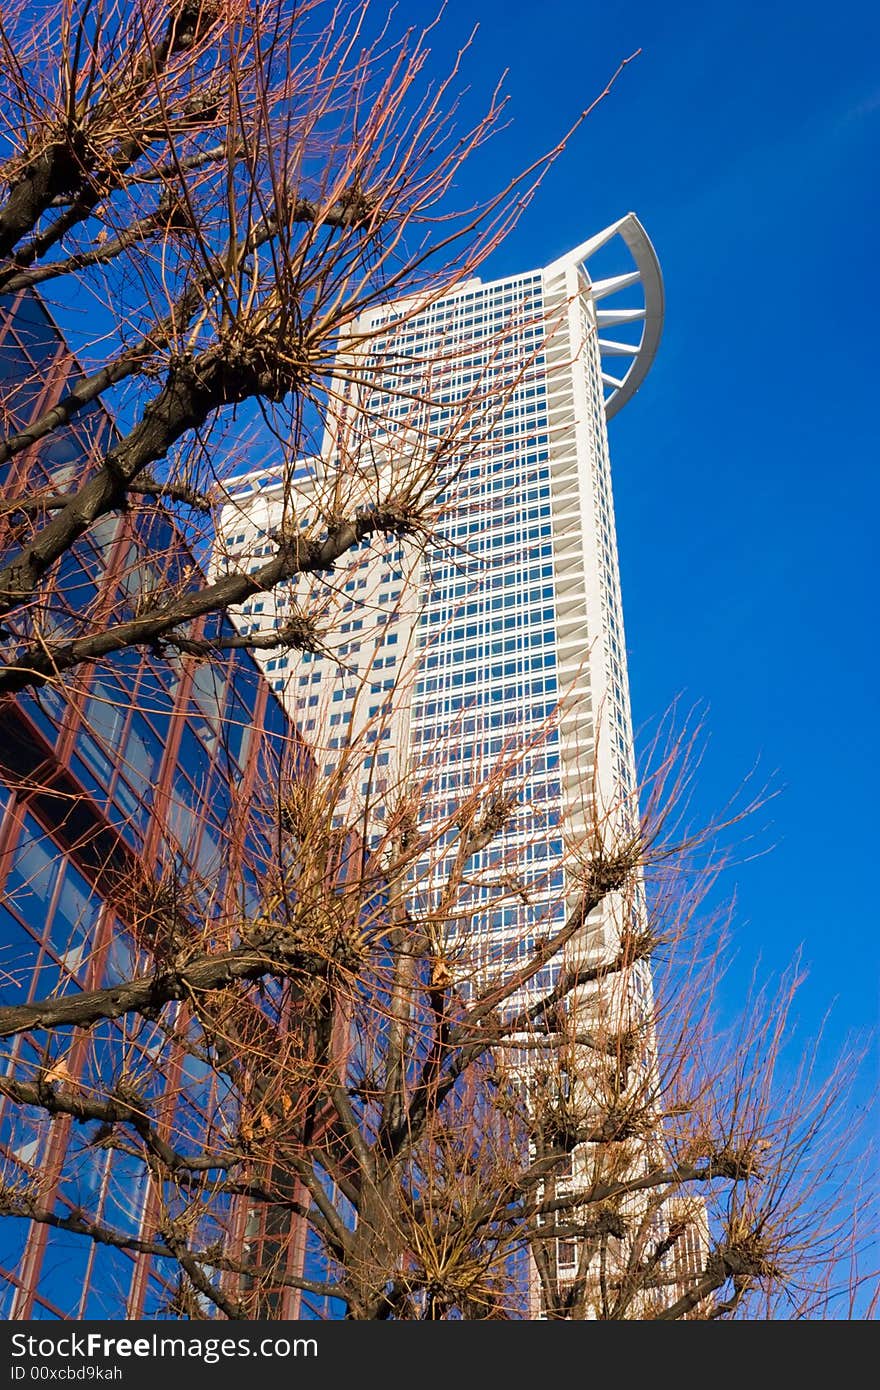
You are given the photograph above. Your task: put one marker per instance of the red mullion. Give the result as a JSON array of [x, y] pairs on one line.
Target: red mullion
[[249, 774], [294, 1240], [100, 1206], [10, 826], [153, 844], [13, 1279], [296, 1255], [36, 1245], [80, 691], [56, 1148], [52, 1307], [154, 839], [53, 384], [165, 1121], [239, 821], [296, 1248]]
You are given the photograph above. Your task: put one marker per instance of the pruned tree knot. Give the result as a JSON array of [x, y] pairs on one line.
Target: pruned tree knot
[[173, 212], [296, 810], [127, 1093], [301, 632], [638, 945], [406, 828], [394, 517], [737, 1164], [353, 205], [605, 1221], [253, 362], [298, 553], [497, 812], [190, 21], [607, 874], [745, 1255], [59, 163]]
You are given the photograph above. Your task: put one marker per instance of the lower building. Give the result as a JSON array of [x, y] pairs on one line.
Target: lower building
[[144, 775]]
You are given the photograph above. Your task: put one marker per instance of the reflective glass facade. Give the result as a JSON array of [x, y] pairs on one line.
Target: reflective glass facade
[[145, 768]]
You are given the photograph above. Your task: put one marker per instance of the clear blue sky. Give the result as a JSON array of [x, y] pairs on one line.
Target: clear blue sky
[[746, 468]]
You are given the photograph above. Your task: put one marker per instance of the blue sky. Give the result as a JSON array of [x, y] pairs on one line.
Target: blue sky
[[745, 137], [746, 468]]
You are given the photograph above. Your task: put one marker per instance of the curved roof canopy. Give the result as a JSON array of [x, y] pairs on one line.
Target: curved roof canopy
[[621, 387]]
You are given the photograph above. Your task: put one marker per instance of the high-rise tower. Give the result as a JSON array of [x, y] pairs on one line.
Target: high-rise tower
[[515, 622], [507, 628]]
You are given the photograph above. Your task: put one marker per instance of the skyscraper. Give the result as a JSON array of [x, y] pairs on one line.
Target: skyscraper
[[516, 622], [507, 628]]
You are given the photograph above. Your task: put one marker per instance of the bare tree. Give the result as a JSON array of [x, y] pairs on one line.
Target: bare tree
[[362, 1106], [446, 1136], [225, 188]]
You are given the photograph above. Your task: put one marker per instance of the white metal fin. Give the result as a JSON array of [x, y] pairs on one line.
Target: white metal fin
[[606, 347], [609, 317], [600, 289]]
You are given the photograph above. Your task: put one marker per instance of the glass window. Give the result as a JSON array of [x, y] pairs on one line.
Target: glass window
[[182, 821], [13, 1239], [73, 923], [46, 708], [193, 758], [19, 954], [126, 1190], [153, 698], [107, 1293], [33, 874], [95, 759], [21, 383], [210, 856], [237, 731], [73, 594], [61, 454], [129, 811], [141, 762], [63, 1270], [106, 712], [25, 1133], [208, 689], [34, 329], [120, 959]]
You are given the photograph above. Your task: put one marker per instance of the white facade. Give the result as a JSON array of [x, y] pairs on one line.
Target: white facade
[[517, 608], [369, 610], [512, 633]]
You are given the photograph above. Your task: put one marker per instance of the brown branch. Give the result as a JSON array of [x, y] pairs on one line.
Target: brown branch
[[296, 556], [344, 213], [163, 492], [233, 1309], [70, 1099], [147, 994], [140, 230], [77, 1223], [71, 166]]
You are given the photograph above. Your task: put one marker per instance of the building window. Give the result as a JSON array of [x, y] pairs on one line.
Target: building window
[[567, 1253]]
